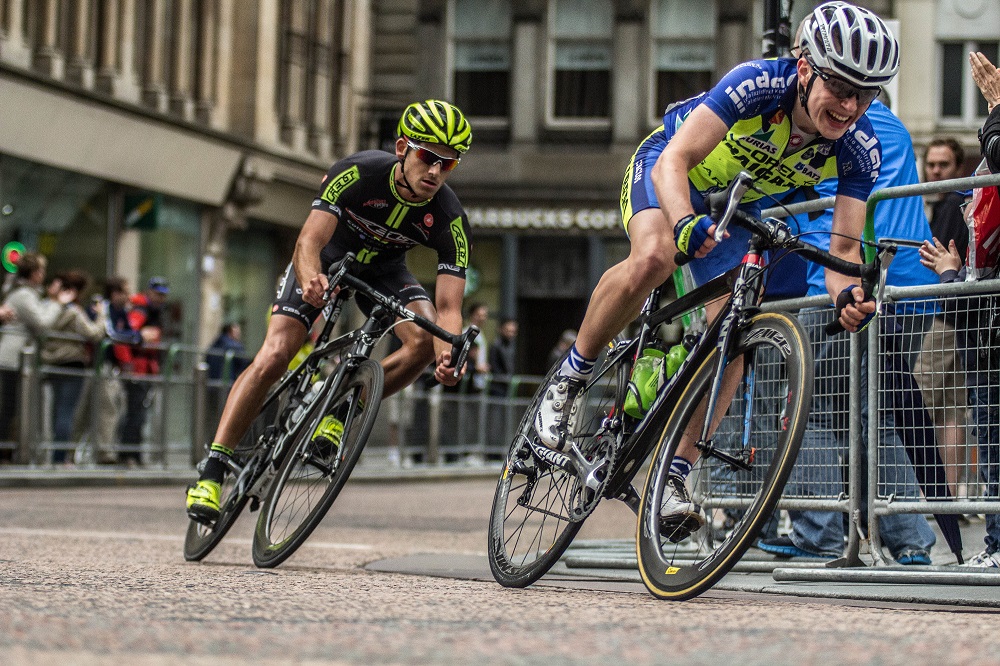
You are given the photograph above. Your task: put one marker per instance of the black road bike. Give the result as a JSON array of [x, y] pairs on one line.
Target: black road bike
[[281, 466], [747, 448]]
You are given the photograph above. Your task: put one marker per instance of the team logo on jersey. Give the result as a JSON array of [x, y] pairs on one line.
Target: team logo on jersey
[[795, 141], [374, 234], [339, 184], [461, 242], [745, 90], [428, 220], [376, 203], [762, 140]]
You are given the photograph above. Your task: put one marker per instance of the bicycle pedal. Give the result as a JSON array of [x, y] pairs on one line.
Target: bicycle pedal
[[254, 504]]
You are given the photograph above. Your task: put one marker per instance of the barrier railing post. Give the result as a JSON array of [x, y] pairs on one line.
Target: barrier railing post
[[198, 411], [166, 375], [434, 429], [25, 451]]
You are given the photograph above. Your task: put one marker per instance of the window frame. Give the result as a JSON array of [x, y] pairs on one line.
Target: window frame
[[499, 123], [577, 122], [970, 119], [655, 116]]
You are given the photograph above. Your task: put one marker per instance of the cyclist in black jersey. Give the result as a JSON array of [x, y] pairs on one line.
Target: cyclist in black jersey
[[377, 205]]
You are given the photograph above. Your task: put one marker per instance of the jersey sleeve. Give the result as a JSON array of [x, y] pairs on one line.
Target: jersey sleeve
[[859, 160], [749, 90], [338, 180], [453, 247]]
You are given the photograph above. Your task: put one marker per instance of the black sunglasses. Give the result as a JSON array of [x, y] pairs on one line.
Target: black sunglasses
[[430, 158], [843, 89]]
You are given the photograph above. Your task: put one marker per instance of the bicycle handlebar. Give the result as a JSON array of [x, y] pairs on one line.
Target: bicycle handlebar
[[722, 206], [461, 343]]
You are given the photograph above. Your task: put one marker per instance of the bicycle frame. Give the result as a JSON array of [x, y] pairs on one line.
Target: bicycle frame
[[744, 285]]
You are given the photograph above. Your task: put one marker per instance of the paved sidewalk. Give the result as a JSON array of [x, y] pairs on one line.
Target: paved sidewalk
[[48, 477]]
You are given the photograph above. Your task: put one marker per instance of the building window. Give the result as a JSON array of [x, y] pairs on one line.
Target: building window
[[481, 57], [580, 53], [683, 55], [961, 102]]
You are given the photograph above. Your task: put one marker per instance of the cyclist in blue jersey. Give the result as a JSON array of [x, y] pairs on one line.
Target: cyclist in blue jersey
[[789, 122]]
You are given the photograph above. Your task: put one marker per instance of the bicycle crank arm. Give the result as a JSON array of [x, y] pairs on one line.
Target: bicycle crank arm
[[708, 449]]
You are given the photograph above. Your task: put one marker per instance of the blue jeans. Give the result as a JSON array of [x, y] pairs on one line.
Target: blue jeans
[[66, 391], [818, 471], [983, 382]]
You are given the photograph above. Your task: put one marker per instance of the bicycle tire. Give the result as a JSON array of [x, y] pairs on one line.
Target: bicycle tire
[[201, 539], [781, 386], [531, 522], [307, 484]]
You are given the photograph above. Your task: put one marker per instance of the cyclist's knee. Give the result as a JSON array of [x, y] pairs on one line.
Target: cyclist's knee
[[650, 269]]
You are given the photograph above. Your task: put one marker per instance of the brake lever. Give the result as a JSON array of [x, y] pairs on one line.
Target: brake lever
[[874, 284], [460, 351], [740, 185]]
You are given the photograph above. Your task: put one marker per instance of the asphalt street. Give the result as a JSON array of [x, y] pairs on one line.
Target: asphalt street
[[396, 574]]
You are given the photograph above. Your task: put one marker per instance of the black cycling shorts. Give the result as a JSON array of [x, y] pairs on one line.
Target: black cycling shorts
[[392, 279]]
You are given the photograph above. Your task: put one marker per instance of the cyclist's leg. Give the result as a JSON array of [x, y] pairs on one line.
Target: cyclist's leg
[[404, 365], [286, 333]]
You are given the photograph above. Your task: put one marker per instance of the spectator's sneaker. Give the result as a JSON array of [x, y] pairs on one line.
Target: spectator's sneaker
[[326, 438], [203, 502], [679, 516], [984, 560], [784, 547], [908, 557], [558, 406]]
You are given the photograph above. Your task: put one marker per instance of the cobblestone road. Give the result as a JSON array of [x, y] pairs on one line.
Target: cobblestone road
[[93, 576]]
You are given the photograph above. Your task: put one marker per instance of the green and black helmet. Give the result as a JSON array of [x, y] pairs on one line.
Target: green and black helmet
[[435, 121]]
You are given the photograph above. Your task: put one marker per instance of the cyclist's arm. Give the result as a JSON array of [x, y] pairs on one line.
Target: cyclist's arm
[[315, 234], [448, 293], [697, 136], [848, 225]]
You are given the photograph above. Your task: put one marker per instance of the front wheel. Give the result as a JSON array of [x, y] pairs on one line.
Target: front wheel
[[539, 507], [736, 500], [318, 466]]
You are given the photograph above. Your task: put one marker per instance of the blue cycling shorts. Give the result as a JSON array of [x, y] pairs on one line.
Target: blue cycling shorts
[[638, 195]]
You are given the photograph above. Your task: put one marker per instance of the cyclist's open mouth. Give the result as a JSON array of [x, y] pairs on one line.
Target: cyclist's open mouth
[[837, 119]]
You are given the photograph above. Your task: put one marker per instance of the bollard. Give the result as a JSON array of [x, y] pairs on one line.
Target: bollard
[[198, 412]]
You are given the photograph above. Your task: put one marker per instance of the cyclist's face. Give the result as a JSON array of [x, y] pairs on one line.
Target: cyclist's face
[[425, 179], [830, 111]]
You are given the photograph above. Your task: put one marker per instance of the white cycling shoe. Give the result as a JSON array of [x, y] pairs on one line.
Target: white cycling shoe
[[557, 411], [679, 516]]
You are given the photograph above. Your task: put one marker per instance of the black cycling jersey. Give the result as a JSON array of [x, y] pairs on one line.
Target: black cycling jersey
[[379, 225]]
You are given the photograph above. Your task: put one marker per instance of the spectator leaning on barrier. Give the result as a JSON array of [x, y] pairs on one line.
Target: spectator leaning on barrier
[[974, 321], [938, 369], [66, 349], [146, 317], [818, 470], [34, 315]]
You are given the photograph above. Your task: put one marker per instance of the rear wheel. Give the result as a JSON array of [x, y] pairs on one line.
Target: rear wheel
[[539, 507], [777, 372], [200, 538], [315, 470]]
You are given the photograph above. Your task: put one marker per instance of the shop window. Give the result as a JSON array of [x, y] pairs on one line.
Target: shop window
[[580, 57], [481, 57], [683, 55], [961, 101]]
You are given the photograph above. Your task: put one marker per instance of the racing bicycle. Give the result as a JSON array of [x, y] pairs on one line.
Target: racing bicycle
[[289, 465], [747, 447]]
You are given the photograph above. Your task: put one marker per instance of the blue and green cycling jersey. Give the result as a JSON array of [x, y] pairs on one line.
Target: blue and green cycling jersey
[[755, 100]]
